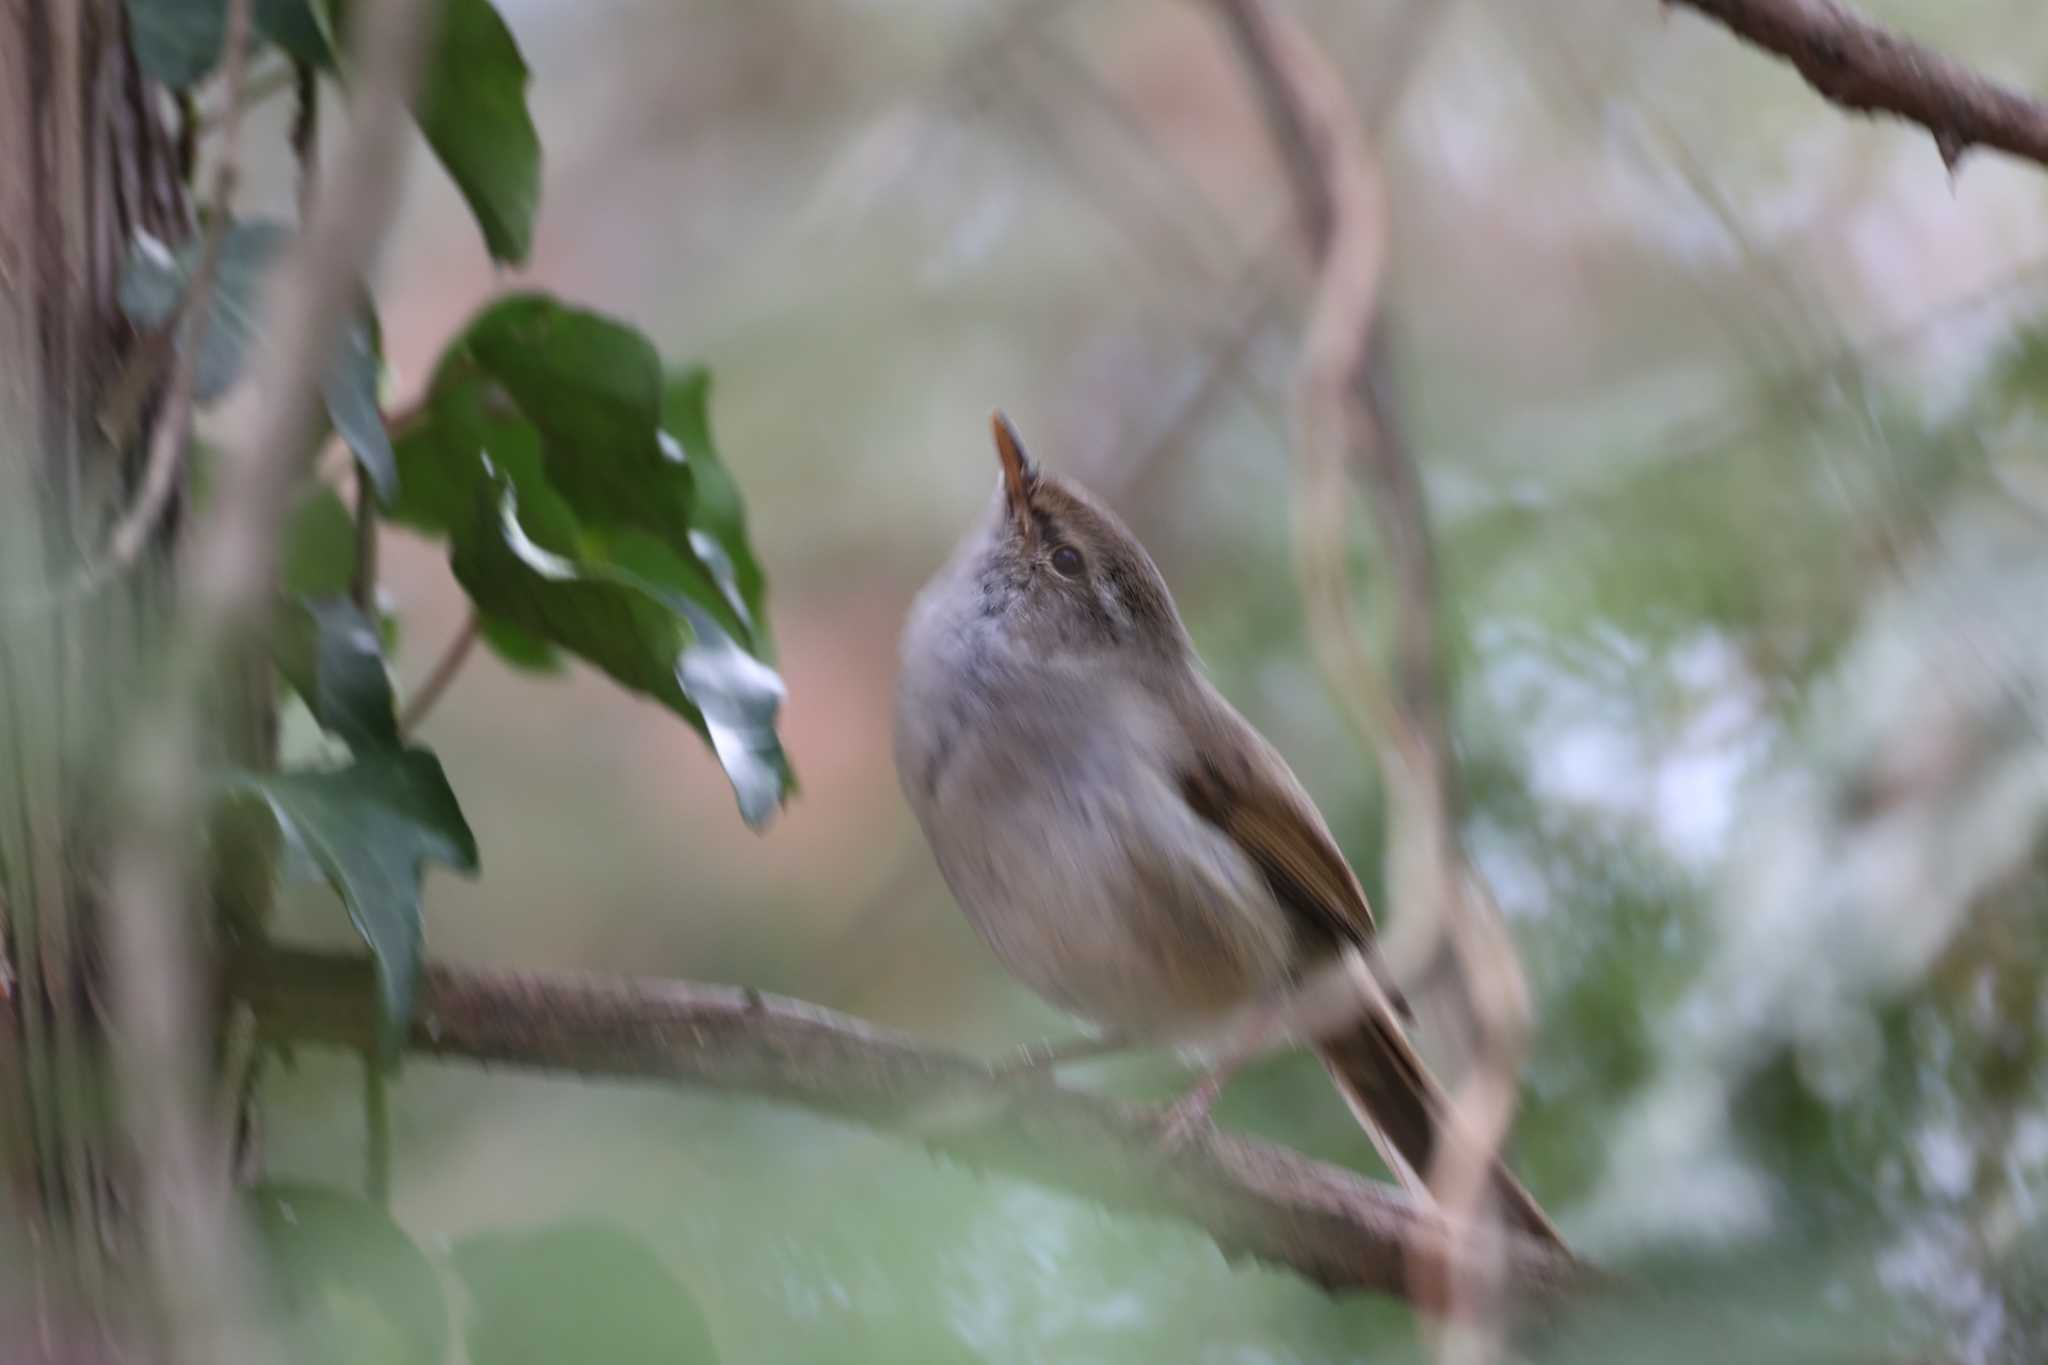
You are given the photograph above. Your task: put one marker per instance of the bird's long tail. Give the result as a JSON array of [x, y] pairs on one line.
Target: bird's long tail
[[1406, 1113]]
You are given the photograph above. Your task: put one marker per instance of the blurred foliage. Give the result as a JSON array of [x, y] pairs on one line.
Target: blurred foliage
[[576, 1291], [348, 1285], [1732, 413]]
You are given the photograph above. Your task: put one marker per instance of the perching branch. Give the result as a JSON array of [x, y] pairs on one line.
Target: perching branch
[[1255, 1199], [1867, 68]]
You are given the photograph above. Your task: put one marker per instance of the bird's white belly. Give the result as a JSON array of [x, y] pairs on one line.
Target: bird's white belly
[[1110, 897]]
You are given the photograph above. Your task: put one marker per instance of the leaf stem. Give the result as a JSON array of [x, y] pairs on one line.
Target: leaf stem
[[261, 86], [444, 673], [377, 1123], [363, 588]]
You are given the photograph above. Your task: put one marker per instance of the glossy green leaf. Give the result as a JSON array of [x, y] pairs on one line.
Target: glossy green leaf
[[518, 648], [576, 1291], [472, 109], [440, 456], [329, 652], [154, 282], [370, 827], [319, 545], [177, 41], [717, 514], [347, 1284], [541, 453], [591, 389], [520, 564]]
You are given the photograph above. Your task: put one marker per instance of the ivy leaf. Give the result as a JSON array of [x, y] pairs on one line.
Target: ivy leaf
[[177, 41], [153, 285], [472, 109], [588, 390], [518, 648], [573, 516], [577, 1291], [155, 280], [717, 517], [329, 652], [348, 1283], [349, 388], [319, 545], [592, 387], [441, 455], [369, 827], [519, 564], [300, 27]]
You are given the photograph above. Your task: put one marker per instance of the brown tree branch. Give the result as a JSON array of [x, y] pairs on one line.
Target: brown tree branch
[[1255, 1199], [445, 668], [1871, 70]]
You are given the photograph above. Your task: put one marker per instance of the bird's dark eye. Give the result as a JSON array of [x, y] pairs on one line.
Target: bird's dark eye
[[1067, 560]]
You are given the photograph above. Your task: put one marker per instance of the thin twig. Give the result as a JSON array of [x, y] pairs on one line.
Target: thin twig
[[225, 589], [1864, 67], [445, 669], [305, 137], [1255, 1199], [272, 80]]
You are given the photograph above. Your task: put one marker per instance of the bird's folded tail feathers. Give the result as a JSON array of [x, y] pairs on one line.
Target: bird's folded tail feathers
[[1404, 1111]]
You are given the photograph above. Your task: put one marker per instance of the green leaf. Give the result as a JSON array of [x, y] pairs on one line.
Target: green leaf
[[519, 563], [349, 389], [319, 545], [576, 1291], [2022, 372], [329, 652], [349, 1285], [717, 514], [369, 827], [300, 27], [472, 109], [177, 41], [440, 456], [524, 651], [591, 388], [154, 282], [540, 452]]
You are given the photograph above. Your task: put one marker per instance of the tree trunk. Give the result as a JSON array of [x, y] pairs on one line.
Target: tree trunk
[[86, 161]]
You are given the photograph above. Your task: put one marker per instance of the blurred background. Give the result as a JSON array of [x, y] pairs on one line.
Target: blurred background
[[1730, 408]]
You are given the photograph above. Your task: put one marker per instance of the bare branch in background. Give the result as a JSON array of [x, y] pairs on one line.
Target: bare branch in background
[[445, 668], [1257, 1200], [154, 935], [1870, 69], [1343, 414]]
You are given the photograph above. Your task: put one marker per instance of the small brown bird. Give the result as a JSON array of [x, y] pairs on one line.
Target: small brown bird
[[1124, 840]]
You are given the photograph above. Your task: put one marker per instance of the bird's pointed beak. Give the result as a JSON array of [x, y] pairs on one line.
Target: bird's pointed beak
[[1018, 475]]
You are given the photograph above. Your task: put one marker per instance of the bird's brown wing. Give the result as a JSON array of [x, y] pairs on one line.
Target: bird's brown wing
[[1280, 831], [1389, 1089]]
